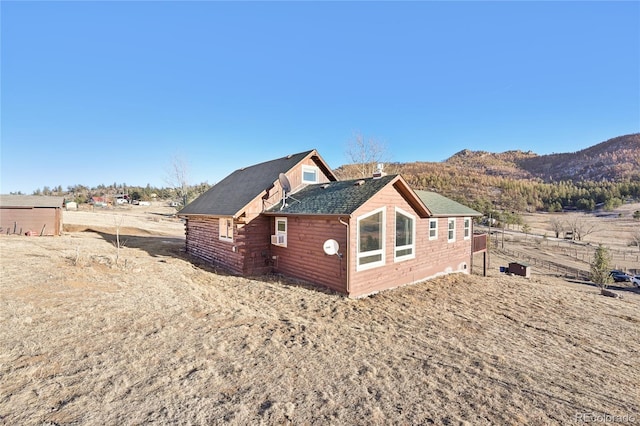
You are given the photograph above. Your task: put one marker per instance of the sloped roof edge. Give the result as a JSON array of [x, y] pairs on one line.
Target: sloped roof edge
[[25, 201], [443, 206], [232, 195]]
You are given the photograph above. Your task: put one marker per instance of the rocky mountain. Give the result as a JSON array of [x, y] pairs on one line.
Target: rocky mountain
[[616, 159], [605, 174]]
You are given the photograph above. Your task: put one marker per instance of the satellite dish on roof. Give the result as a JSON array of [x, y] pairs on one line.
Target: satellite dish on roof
[[330, 247], [284, 182]]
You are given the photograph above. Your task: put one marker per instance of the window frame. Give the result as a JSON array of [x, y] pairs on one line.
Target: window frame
[[381, 251], [467, 228], [435, 229], [411, 246], [279, 232], [225, 224], [310, 169], [450, 230]]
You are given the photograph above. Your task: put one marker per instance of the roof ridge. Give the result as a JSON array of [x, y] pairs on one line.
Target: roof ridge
[[285, 157]]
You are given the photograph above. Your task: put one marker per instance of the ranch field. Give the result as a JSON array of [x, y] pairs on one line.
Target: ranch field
[[92, 335]]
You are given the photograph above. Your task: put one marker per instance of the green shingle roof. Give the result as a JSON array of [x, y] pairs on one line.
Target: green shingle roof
[[333, 198], [440, 205], [230, 195]]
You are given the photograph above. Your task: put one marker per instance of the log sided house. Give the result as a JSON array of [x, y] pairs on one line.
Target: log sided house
[[292, 216]]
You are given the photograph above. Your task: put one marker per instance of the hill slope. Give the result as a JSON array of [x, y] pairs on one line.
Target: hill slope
[[527, 181], [616, 159]]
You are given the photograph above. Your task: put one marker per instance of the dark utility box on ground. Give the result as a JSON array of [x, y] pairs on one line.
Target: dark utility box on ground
[[519, 268]]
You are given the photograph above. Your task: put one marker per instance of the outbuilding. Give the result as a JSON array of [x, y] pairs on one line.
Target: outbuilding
[[31, 214]]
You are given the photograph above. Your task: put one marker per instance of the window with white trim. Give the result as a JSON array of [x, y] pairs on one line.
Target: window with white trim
[[433, 229], [226, 229], [280, 237], [405, 236], [451, 225], [467, 228], [309, 174], [371, 234]]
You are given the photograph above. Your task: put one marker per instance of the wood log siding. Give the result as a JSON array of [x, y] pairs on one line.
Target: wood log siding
[[248, 254], [273, 196], [203, 242], [254, 240], [304, 256], [433, 257]]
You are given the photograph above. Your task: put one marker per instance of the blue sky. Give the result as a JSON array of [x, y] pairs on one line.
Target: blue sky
[[104, 92]]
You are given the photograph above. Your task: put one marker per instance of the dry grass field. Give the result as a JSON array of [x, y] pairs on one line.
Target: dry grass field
[[154, 337]]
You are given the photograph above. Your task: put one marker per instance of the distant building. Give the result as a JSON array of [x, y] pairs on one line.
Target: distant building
[[31, 214]]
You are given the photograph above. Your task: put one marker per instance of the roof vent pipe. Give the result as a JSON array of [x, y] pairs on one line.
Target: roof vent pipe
[[379, 171]]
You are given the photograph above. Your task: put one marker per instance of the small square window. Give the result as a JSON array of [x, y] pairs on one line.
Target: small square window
[[309, 174]]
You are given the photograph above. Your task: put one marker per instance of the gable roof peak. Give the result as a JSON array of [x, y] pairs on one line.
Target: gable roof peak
[[232, 194]]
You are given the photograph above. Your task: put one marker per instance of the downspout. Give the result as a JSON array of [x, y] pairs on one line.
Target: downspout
[[347, 251]]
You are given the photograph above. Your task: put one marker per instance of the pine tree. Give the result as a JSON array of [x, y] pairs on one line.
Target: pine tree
[[600, 267]]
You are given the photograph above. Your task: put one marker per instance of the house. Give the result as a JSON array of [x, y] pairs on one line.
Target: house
[[358, 237], [31, 214], [99, 202]]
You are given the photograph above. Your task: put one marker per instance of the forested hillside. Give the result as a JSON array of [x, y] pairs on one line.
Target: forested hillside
[[604, 175]]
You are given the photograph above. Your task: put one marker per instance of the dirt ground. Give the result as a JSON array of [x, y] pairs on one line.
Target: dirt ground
[[92, 335]]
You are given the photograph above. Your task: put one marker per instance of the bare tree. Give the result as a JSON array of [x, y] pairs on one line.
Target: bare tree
[[635, 238], [177, 176], [117, 221], [366, 154], [580, 228], [557, 226]]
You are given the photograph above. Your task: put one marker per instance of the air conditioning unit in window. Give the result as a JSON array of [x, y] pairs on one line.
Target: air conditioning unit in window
[[279, 239]]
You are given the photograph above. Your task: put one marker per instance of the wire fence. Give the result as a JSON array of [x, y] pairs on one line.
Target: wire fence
[[550, 266], [623, 259]]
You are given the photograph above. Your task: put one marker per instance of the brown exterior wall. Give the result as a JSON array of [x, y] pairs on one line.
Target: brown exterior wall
[[253, 241], [274, 196], [203, 242], [432, 258], [248, 254], [31, 219], [304, 256]]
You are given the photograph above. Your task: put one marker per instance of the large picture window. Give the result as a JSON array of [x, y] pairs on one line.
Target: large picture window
[[226, 229], [371, 239], [405, 236]]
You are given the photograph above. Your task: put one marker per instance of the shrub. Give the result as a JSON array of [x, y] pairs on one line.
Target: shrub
[[600, 267]]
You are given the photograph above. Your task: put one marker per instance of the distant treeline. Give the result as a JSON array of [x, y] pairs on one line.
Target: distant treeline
[[485, 191], [82, 194], [493, 192], [482, 192]]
